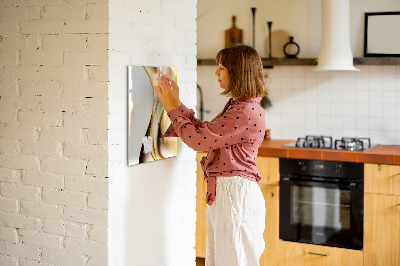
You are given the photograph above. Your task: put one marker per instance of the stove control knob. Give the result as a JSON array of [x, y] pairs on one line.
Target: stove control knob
[[302, 166], [338, 169]]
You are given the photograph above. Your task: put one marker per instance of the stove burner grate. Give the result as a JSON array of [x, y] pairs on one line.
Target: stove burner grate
[[326, 142], [353, 144], [322, 142]]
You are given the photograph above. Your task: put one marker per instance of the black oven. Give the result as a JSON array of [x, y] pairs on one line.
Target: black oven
[[321, 202]]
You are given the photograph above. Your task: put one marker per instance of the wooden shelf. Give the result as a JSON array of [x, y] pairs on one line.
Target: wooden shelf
[[377, 61], [289, 62], [269, 63]]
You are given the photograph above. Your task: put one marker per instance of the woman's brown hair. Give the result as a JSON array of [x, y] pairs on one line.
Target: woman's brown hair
[[246, 78]]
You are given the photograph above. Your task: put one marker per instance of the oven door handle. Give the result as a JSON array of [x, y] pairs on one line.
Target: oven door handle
[[319, 182]]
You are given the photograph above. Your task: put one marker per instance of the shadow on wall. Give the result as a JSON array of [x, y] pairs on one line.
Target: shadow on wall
[[147, 210]]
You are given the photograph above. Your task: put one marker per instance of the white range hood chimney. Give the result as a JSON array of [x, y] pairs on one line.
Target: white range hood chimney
[[335, 53]]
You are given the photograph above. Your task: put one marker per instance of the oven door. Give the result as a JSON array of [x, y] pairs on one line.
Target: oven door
[[321, 212]]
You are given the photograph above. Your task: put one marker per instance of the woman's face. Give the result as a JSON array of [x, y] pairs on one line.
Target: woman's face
[[223, 76]]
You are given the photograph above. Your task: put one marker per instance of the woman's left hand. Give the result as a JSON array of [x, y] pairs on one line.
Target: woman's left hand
[[165, 94]]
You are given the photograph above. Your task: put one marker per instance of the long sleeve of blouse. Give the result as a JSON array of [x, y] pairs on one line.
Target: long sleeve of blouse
[[185, 112], [232, 139], [224, 131]]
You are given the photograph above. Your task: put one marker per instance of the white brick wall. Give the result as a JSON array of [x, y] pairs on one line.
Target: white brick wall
[[53, 136], [60, 138], [152, 205]]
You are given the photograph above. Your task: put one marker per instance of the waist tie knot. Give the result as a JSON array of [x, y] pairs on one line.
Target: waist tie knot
[[210, 196]]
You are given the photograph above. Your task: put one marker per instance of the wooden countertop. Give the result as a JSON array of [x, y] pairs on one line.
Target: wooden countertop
[[380, 154]]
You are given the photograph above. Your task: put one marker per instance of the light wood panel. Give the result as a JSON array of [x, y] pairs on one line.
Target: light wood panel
[[381, 230], [268, 168], [382, 179], [201, 205], [271, 233], [299, 254]]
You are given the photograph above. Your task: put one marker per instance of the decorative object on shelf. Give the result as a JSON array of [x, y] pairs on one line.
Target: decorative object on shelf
[[380, 37], [253, 11], [269, 23], [233, 36], [147, 119], [265, 102], [267, 135], [278, 39], [291, 49]]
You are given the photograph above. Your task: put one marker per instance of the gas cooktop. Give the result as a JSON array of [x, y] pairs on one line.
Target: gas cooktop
[[326, 142]]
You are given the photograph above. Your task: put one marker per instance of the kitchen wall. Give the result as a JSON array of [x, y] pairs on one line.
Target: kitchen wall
[[300, 19], [337, 103], [152, 205], [63, 119], [53, 135]]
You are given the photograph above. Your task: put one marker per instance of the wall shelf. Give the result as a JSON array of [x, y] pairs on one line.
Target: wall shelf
[[269, 63], [377, 61]]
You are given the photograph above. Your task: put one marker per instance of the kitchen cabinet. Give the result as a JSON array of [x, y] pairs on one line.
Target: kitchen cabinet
[[269, 170], [269, 185], [201, 205], [381, 221], [271, 232], [300, 254], [382, 179], [382, 215]]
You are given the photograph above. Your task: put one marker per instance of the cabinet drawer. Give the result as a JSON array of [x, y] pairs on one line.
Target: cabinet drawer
[[268, 167], [382, 179], [299, 254]]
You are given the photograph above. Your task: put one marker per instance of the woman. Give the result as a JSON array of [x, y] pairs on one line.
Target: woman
[[236, 211]]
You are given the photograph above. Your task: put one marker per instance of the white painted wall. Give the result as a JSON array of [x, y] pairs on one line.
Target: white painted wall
[[152, 205], [341, 104], [53, 133]]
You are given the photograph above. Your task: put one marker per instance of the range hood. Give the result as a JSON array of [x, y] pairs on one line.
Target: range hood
[[335, 52]]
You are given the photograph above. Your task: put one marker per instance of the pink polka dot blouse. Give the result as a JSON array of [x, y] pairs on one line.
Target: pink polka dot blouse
[[232, 139]]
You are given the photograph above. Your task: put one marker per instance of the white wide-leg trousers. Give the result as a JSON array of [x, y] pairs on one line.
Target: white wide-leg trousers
[[235, 223]]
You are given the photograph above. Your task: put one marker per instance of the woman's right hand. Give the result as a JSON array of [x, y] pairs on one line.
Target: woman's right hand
[[175, 91]]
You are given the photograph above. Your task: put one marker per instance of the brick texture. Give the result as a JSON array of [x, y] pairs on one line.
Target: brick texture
[[53, 118], [63, 132]]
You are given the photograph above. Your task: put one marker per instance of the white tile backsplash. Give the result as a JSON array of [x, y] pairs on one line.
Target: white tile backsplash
[[361, 110], [389, 111], [362, 97], [389, 97], [363, 103], [375, 110]]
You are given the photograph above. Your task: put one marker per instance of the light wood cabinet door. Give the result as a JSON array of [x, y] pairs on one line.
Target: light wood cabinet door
[[381, 230], [299, 254], [271, 232], [201, 205], [268, 167], [382, 179]]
